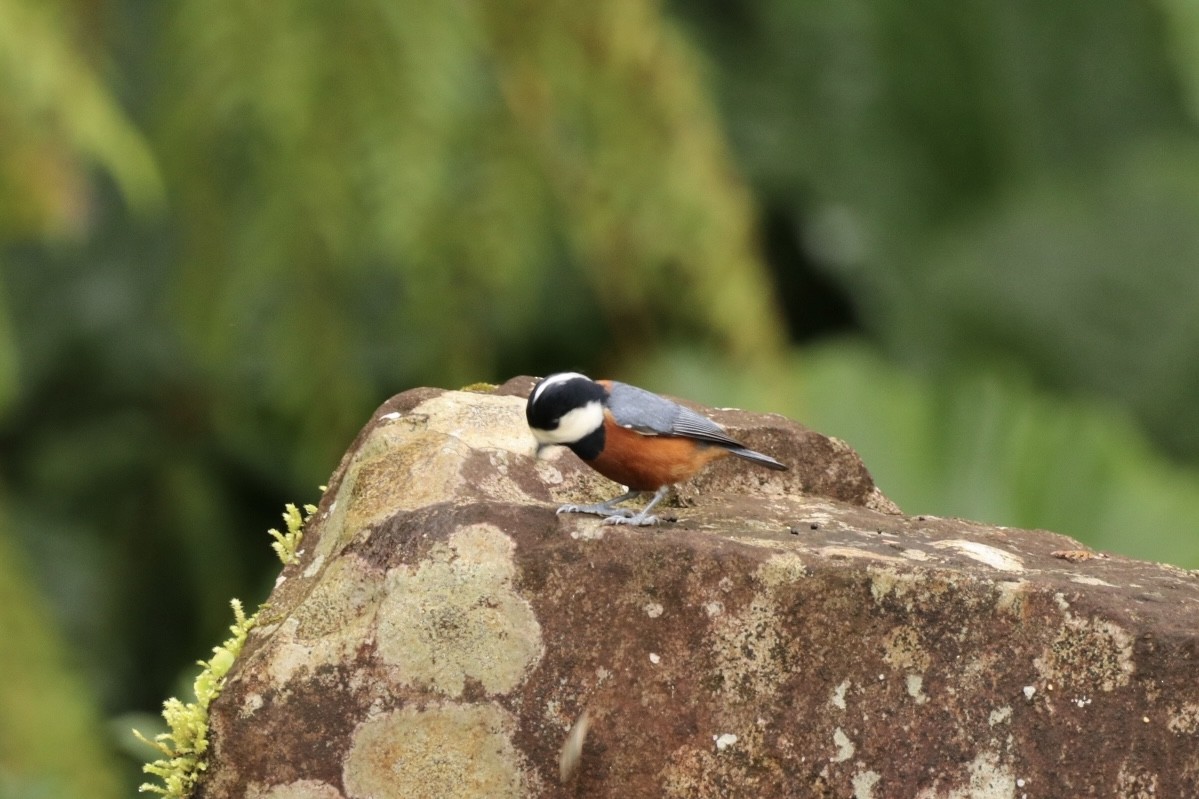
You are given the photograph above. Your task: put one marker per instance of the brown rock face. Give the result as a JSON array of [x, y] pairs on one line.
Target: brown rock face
[[790, 635]]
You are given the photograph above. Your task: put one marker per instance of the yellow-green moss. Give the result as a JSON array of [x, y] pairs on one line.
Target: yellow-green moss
[[287, 545], [185, 746]]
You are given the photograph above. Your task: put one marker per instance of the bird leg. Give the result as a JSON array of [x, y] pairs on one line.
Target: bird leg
[[643, 518], [604, 508]]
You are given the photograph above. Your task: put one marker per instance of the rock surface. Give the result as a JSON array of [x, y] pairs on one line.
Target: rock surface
[[790, 635]]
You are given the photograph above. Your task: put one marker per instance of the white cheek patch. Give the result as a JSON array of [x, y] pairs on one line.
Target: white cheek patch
[[575, 425]]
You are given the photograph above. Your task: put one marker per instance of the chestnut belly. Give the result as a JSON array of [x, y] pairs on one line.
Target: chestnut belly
[[646, 463]]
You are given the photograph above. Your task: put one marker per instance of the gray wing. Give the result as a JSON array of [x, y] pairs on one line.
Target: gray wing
[[653, 415]]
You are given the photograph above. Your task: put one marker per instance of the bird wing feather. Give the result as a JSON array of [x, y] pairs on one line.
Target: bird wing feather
[[654, 415]]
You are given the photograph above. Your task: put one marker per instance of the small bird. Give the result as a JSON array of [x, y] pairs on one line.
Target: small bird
[[629, 435]]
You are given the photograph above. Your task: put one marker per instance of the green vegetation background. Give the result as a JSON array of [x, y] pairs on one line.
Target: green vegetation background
[[961, 235]]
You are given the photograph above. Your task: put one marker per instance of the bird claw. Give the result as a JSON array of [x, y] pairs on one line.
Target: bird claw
[[636, 520]]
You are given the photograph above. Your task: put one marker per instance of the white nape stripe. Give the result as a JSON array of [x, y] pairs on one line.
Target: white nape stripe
[[574, 426], [552, 380]]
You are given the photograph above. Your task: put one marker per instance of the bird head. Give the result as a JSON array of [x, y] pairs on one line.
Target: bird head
[[564, 409]]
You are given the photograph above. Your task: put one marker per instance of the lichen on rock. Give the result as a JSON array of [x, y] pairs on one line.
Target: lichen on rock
[[441, 751], [456, 616]]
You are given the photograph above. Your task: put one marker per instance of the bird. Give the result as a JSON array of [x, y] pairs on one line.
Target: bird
[[634, 437]]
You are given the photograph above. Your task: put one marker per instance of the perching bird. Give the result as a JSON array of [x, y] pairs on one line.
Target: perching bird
[[629, 435]]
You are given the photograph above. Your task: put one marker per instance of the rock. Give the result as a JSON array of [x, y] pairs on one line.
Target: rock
[[443, 634]]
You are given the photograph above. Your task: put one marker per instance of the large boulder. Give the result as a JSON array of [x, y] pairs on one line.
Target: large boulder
[[445, 634]]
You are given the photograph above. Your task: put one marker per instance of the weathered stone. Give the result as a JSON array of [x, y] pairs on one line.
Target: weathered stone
[[790, 635]]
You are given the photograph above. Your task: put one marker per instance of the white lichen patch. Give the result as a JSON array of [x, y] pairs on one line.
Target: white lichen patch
[[1088, 654], [1000, 715], [1010, 596], [746, 645], [250, 705], [915, 687], [341, 602], [724, 741], [548, 473], [499, 460], [399, 467], [693, 771], [481, 421], [1136, 784], [821, 518], [977, 669], [455, 615], [495, 481], [859, 554], [1184, 719], [413, 460], [838, 697], [588, 531], [314, 567], [987, 778], [300, 789], [984, 553], [845, 747], [747, 528], [903, 650], [887, 582], [780, 570], [330, 624], [1086, 579], [287, 657], [445, 750], [863, 784]]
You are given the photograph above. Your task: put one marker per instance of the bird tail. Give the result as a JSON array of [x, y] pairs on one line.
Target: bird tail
[[758, 458]]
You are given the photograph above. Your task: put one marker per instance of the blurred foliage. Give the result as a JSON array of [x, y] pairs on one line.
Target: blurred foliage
[[51, 742], [991, 181], [1182, 18], [1125, 327], [229, 230], [511, 164], [58, 117]]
